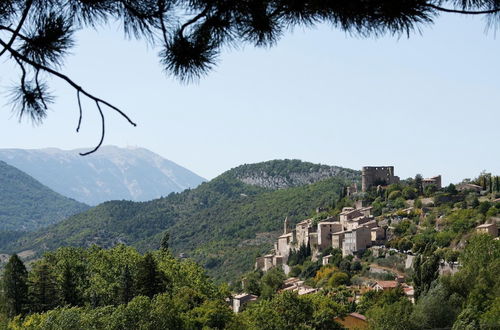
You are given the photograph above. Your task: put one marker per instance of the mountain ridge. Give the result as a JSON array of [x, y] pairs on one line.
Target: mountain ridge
[[112, 173]]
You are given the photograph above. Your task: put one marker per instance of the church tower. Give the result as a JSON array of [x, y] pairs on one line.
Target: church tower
[[285, 226]]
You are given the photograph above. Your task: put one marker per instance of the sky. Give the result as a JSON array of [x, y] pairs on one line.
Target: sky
[[426, 104]]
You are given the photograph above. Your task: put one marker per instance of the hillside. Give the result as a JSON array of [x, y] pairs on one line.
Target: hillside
[[223, 223], [26, 204], [112, 173], [288, 173]]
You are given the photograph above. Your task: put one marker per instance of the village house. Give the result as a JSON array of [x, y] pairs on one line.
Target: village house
[[296, 285], [240, 300], [387, 285], [488, 228], [353, 231], [466, 186], [435, 180]]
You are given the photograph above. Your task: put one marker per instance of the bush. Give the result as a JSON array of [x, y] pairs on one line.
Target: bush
[[337, 279], [394, 195]]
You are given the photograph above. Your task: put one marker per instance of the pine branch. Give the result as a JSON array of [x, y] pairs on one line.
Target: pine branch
[[19, 26], [465, 12], [19, 57]]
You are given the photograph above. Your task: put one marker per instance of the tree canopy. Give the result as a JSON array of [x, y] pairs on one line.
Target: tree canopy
[[38, 34]]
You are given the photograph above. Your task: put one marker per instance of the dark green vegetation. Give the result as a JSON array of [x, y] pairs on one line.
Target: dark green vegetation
[[27, 205], [75, 288], [223, 224], [466, 300]]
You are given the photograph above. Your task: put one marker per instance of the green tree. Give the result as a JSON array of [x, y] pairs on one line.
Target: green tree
[[426, 270], [338, 278], [126, 285], [392, 316], [418, 184], [271, 282], [251, 283], [409, 192], [164, 241], [42, 288], [149, 279], [15, 286], [437, 309], [68, 287]]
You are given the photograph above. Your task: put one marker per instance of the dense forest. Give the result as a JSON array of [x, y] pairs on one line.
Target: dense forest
[[222, 224], [118, 288], [27, 205]]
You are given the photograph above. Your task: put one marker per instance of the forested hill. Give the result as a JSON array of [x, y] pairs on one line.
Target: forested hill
[[279, 174], [112, 173], [223, 224], [26, 204]]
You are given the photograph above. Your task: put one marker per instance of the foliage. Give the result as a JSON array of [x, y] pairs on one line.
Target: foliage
[[190, 300], [27, 205], [15, 287], [338, 278], [426, 270], [290, 311]]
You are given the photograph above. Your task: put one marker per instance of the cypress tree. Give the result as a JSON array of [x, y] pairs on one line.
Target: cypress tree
[[15, 286], [126, 285], [164, 241], [69, 293], [149, 279]]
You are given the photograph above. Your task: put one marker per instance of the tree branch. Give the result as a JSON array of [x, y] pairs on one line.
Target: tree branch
[[194, 19], [36, 65], [102, 134], [465, 12], [19, 57], [161, 13], [81, 112], [19, 26]]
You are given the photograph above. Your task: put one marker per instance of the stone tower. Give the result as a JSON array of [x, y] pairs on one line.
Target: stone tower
[[285, 226]]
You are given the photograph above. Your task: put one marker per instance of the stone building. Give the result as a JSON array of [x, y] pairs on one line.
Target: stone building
[[435, 180], [355, 240], [488, 228], [241, 300], [325, 231], [354, 230], [377, 175]]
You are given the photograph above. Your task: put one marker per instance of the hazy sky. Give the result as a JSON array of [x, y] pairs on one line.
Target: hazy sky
[[428, 104]]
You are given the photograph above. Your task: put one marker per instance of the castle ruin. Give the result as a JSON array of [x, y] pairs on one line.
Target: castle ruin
[[377, 176]]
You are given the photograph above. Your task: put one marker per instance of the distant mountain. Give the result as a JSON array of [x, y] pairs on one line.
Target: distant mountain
[[111, 173], [26, 204], [222, 223]]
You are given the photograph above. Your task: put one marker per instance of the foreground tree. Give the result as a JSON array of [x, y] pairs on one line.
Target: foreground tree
[[37, 34], [15, 287]]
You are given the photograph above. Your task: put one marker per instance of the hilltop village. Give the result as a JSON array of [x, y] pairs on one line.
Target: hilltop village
[[391, 234], [352, 231]]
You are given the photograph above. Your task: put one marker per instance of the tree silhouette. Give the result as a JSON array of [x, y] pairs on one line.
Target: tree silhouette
[[37, 34]]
